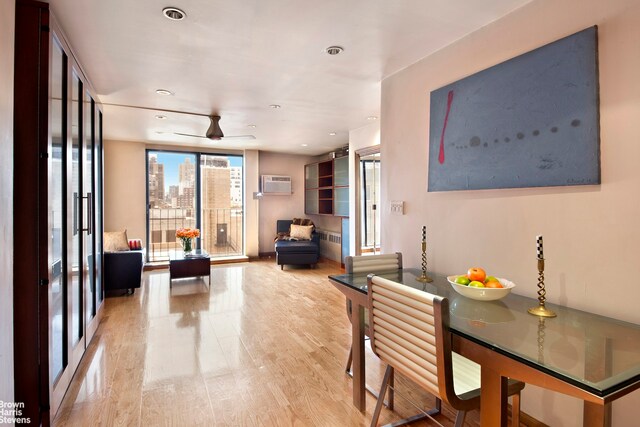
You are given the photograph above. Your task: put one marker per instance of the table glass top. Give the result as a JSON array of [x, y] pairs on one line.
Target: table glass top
[[195, 254], [596, 353]]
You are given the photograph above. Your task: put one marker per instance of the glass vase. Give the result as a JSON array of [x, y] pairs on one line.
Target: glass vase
[[186, 246]]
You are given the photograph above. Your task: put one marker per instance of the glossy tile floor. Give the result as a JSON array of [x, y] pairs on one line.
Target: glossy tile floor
[[261, 347]]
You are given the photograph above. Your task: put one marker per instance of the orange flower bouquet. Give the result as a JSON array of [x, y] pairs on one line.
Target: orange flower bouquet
[[185, 235]]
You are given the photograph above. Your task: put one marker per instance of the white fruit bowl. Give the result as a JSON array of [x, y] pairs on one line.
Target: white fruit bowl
[[482, 294]]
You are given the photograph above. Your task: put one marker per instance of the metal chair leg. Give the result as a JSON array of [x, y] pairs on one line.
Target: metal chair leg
[[392, 384], [347, 369], [460, 416], [383, 389]]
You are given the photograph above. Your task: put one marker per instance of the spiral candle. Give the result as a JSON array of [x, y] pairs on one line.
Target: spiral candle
[[541, 310], [539, 247]]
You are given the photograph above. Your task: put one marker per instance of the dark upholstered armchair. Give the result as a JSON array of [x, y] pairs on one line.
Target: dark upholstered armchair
[[123, 270], [298, 252]]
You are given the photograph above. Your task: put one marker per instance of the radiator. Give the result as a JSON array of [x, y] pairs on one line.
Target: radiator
[[330, 244]]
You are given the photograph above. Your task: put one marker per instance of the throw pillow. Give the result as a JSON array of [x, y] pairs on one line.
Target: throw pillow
[[115, 241], [135, 244], [301, 232], [302, 221], [281, 236]]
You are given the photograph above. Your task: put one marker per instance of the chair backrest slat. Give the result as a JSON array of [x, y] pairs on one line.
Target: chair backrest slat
[[409, 330], [373, 263], [424, 357], [405, 314], [396, 299], [412, 318], [426, 379]]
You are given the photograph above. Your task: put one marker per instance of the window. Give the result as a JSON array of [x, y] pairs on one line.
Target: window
[[195, 190], [370, 215]]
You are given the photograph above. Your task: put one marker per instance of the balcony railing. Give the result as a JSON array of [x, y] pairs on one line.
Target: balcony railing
[[221, 233]]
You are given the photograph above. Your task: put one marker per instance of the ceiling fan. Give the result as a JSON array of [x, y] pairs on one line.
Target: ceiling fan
[[215, 132]]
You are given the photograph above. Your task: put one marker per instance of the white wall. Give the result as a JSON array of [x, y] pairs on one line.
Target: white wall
[[273, 208], [590, 233], [125, 194], [7, 24], [252, 208]]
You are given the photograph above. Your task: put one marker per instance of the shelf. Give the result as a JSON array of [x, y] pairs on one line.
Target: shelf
[[321, 182], [325, 182], [325, 168]]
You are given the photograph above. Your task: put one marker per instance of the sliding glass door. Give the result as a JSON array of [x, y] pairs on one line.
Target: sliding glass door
[[57, 217], [74, 199], [194, 190], [222, 210], [171, 191], [56, 270]]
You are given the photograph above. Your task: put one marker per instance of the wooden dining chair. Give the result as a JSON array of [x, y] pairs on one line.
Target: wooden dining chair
[[410, 333], [368, 264]]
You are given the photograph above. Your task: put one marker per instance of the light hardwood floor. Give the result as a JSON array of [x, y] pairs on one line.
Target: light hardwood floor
[[261, 347]]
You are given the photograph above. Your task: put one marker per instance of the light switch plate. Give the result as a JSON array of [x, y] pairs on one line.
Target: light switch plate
[[397, 207]]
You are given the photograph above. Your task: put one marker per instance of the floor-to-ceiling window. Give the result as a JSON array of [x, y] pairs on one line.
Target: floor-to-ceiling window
[[194, 190]]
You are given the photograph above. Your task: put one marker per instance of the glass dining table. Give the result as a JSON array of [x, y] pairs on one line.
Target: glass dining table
[[585, 355]]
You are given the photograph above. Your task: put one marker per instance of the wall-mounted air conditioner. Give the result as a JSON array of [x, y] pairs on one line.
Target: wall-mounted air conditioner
[[276, 185]]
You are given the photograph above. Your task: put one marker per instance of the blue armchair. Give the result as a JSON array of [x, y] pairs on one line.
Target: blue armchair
[[298, 252]]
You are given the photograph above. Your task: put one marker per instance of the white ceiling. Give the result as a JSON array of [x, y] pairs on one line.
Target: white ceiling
[[236, 57]]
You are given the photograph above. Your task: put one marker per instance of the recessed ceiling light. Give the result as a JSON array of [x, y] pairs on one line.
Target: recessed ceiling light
[[332, 133], [174, 13], [276, 106], [164, 92], [159, 132], [372, 118], [160, 117], [251, 126], [333, 50], [304, 145]]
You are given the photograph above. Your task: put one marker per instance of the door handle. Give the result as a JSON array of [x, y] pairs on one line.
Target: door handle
[[89, 211], [75, 213]]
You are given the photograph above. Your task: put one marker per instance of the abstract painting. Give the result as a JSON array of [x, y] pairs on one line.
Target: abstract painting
[[531, 121]]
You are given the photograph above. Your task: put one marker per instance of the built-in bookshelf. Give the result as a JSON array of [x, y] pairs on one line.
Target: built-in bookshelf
[[327, 187]]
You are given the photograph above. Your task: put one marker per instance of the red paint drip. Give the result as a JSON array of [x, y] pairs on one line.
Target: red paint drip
[[444, 127]]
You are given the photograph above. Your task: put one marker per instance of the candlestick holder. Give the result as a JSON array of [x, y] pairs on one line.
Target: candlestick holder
[[424, 278], [541, 310], [541, 327]]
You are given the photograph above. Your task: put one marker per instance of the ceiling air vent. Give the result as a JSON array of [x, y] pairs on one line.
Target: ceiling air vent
[[334, 50], [174, 13]]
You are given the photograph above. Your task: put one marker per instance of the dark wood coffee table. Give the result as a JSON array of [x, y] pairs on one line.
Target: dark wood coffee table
[[194, 265]]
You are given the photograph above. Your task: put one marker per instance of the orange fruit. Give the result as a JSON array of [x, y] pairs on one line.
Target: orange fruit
[[493, 284]]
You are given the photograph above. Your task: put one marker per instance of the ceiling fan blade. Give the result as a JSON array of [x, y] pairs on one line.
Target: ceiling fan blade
[[239, 137], [188, 134], [215, 133]]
